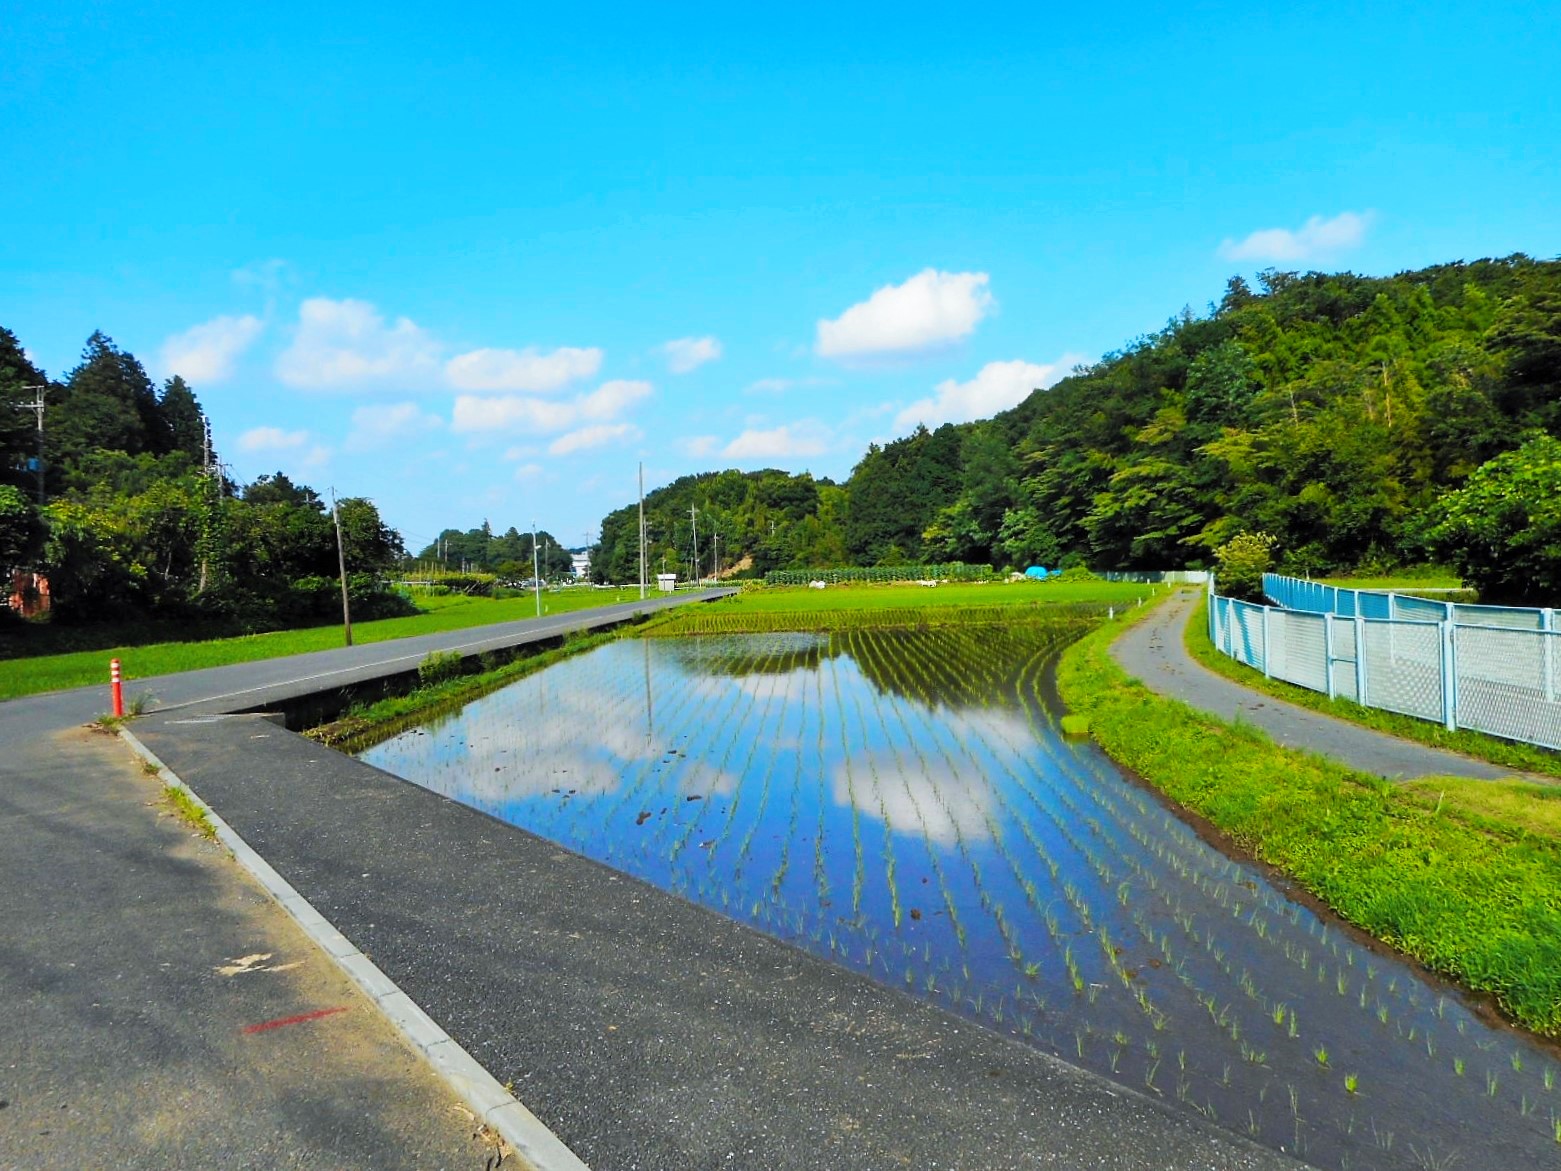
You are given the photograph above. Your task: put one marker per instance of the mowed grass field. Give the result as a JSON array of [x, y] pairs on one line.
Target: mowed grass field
[[32, 674]]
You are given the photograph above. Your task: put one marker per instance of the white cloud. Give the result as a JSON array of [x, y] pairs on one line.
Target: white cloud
[[998, 386], [377, 426], [272, 439], [788, 441], [512, 413], [690, 353], [206, 353], [296, 450], [347, 344], [527, 472], [930, 309], [612, 398], [1316, 237], [529, 369], [595, 436], [475, 414]]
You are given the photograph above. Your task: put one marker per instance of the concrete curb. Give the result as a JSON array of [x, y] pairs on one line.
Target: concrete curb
[[530, 1138]]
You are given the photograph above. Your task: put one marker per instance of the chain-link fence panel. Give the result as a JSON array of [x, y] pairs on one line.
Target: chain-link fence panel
[[1298, 650], [1404, 667], [1410, 609], [1506, 683], [1514, 617], [1247, 634], [1345, 653]]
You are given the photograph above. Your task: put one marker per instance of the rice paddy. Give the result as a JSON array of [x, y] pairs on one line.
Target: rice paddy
[[902, 802]]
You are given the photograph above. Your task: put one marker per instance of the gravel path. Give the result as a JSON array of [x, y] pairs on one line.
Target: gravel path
[[1153, 651]]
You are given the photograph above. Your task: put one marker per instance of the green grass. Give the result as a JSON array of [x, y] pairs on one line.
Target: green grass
[[1473, 902], [186, 810], [1504, 753], [26, 676], [1420, 577], [843, 607]]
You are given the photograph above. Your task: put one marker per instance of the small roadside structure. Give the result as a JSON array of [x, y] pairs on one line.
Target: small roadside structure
[[666, 582]]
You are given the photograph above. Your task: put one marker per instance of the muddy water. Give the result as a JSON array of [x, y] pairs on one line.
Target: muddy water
[[901, 803]]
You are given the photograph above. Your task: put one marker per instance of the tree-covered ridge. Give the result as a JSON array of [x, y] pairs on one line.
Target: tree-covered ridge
[[752, 521], [1331, 411]]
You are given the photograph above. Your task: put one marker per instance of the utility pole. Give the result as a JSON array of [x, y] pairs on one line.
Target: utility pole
[[642, 530], [341, 561], [36, 406], [536, 573], [693, 520], [717, 544]]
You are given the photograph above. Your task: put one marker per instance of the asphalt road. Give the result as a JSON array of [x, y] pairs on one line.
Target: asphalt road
[[1153, 652], [647, 1032]]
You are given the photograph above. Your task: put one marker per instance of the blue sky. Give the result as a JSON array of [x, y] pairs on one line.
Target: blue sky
[[479, 264]]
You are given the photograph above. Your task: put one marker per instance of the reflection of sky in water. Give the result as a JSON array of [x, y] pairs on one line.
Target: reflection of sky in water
[[901, 805]]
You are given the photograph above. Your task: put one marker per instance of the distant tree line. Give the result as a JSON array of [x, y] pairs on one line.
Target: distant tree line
[[139, 520], [1352, 419], [506, 554]]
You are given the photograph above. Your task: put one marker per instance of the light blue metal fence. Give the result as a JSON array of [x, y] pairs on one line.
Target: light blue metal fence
[[1494, 669]]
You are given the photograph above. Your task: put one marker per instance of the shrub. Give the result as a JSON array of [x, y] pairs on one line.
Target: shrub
[[1243, 560], [437, 666]]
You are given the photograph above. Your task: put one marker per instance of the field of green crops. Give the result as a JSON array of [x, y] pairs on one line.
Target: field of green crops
[[898, 798]]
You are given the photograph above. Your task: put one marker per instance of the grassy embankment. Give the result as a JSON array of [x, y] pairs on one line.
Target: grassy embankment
[[1465, 886], [1505, 753], [26, 674]]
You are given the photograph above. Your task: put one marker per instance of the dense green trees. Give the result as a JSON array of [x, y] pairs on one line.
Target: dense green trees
[[138, 523], [1332, 411], [1502, 529]]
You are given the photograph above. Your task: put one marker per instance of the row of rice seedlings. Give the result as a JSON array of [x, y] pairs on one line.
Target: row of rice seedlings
[[1343, 982]]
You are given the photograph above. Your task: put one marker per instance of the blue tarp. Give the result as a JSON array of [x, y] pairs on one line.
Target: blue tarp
[[1038, 572]]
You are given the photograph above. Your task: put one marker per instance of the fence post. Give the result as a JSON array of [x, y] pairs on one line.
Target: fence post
[[1328, 654], [1449, 678], [1360, 661], [1267, 674], [1547, 626]]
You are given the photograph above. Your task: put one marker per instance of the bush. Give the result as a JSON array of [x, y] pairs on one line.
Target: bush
[[437, 666], [1243, 560]]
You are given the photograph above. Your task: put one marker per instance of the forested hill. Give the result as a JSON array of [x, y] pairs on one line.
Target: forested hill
[[1332, 411]]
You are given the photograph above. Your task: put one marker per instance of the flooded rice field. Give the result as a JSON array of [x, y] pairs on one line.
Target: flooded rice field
[[901, 803]]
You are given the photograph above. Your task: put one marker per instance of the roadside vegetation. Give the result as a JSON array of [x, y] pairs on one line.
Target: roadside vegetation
[[1526, 758], [1460, 878], [26, 676]]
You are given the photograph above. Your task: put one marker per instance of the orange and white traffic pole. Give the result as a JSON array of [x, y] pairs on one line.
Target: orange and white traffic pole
[[116, 688]]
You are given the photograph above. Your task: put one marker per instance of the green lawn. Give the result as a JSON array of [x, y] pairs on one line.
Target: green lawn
[[25, 676]]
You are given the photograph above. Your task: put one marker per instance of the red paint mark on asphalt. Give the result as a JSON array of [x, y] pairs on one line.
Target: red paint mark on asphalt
[[292, 1020]]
